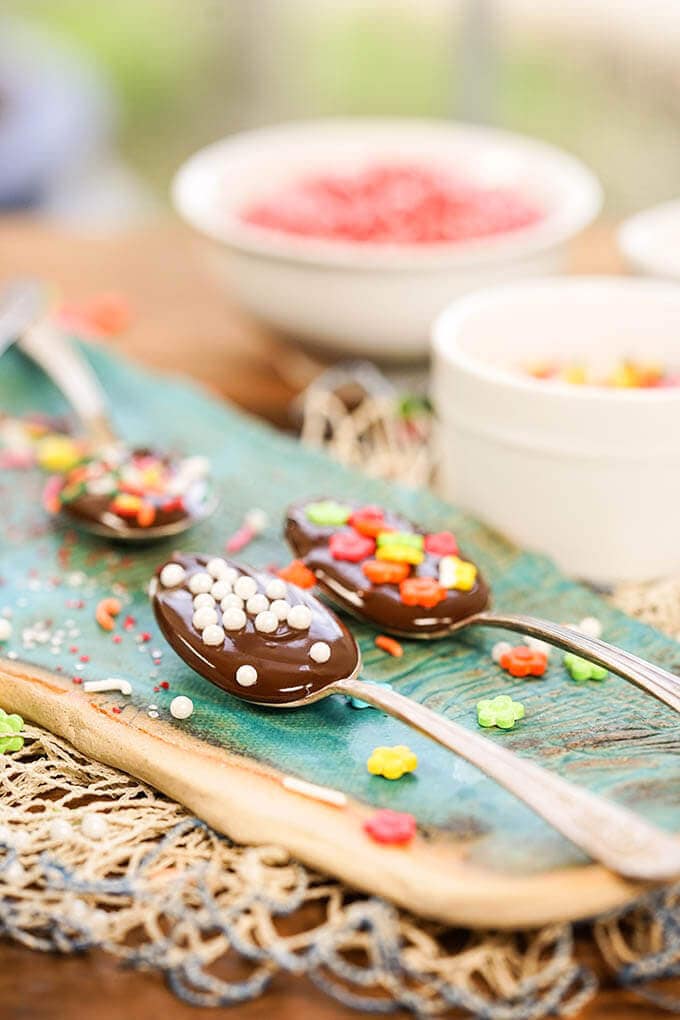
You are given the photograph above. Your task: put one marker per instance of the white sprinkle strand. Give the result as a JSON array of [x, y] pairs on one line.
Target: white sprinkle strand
[[322, 793], [112, 683], [245, 586], [320, 652], [246, 676], [200, 582], [276, 589], [213, 635], [300, 617], [181, 707], [172, 575]]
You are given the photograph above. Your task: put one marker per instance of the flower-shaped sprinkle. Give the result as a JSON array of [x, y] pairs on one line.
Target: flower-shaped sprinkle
[[327, 513], [457, 573], [297, 573], [400, 547], [409, 538], [421, 591], [396, 828], [582, 669], [10, 728], [383, 572], [350, 546], [524, 661], [441, 543], [392, 762], [501, 711], [368, 520]]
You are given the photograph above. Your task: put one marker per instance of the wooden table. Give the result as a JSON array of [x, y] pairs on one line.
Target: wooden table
[[184, 323]]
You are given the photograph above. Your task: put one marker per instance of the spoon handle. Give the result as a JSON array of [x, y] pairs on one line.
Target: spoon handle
[[612, 835], [72, 375], [656, 681]]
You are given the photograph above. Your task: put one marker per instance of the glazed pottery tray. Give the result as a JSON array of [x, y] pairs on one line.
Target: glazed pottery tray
[[480, 857]]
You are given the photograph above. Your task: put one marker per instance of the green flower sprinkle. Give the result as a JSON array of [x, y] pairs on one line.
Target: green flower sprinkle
[[10, 727], [328, 513], [501, 711], [581, 669]]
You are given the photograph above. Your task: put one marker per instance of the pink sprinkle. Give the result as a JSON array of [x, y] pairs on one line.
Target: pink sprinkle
[[144, 636], [129, 622], [73, 649], [77, 679], [240, 539], [116, 639], [84, 658]]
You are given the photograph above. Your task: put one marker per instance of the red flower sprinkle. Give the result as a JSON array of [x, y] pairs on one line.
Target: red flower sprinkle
[[350, 546], [441, 543], [391, 827], [368, 521]]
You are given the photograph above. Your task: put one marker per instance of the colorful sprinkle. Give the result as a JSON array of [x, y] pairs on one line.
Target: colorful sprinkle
[[581, 669], [11, 727], [457, 573], [441, 543], [389, 645], [421, 591], [523, 661], [328, 514], [392, 762], [395, 828], [350, 546], [298, 574], [501, 711]]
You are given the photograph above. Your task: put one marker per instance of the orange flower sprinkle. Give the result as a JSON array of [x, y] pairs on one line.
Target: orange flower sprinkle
[[524, 661], [382, 572], [421, 591]]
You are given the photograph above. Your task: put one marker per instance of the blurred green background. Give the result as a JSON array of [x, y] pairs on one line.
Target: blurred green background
[[184, 73]]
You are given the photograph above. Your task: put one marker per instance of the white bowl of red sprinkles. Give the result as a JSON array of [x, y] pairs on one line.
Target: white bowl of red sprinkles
[[353, 234]]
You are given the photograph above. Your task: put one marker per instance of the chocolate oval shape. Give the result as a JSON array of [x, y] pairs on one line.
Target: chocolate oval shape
[[346, 584], [290, 662], [93, 494]]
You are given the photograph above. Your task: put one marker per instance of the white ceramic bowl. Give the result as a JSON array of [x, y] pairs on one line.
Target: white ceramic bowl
[[650, 240], [589, 475], [362, 298]]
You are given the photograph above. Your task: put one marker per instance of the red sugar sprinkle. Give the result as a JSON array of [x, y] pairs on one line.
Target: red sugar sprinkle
[[116, 639], [84, 658], [76, 679], [116, 709], [156, 689], [129, 622], [144, 636], [164, 684], [73, 649]]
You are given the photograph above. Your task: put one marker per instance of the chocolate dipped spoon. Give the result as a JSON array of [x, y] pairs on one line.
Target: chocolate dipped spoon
[[116, 492], [273, 644], [380, 567]]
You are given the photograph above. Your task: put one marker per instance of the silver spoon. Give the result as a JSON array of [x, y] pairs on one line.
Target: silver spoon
[[70, 372], [284, 675], [309, 545]]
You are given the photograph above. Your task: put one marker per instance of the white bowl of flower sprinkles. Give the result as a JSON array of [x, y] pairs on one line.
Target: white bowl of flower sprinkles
[[366, 272], [589, 474]]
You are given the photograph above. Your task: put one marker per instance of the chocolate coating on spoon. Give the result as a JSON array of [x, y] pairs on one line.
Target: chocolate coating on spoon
[[285, 670], [347, 585]]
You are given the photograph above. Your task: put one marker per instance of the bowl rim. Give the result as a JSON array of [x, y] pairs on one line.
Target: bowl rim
[[550, 231], [635, 238], [448, 323]]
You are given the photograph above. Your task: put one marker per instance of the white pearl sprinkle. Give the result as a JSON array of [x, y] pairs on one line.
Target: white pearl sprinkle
[[15, 874], [257, 603], [172, 575], [276, 589], [280, 608], [499, 650], [203, 617], [231, 601], [181, 707], [538, 646], [320, 651], [300, 617], [245, 587], [60, 829], [213, 635], [217, 567], [200, 582], [233, 619], [591, 626], [246, 676], [220, 589], [266, 622], [203, 599], [94, 826], [5, 629]]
